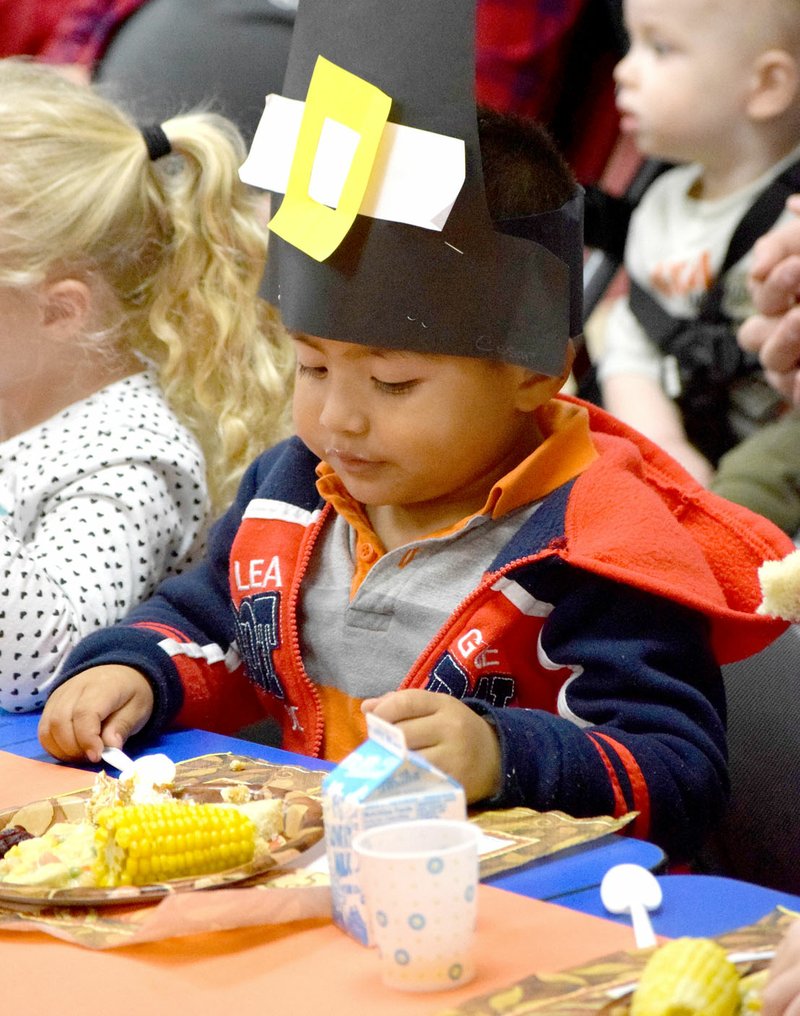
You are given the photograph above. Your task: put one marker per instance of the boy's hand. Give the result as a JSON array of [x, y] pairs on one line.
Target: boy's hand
[[448, 734], [100, 707]]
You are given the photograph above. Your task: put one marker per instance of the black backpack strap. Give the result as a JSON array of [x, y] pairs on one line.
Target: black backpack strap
[[659, 324], [757, 220], [702, 356]]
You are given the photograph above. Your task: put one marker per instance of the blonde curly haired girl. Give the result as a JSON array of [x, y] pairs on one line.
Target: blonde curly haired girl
[[141, 371]]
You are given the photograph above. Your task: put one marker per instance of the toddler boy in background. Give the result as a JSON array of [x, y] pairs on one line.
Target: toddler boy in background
[[705, 85], [537, 596]]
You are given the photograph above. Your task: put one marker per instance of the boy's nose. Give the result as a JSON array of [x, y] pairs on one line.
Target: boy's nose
[[341, 414]]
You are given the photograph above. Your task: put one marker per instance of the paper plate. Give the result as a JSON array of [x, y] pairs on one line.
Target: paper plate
[[200, 779]]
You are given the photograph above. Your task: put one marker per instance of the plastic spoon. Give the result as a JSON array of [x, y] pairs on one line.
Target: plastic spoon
[[155, 770], [116, 758], [630, 888]]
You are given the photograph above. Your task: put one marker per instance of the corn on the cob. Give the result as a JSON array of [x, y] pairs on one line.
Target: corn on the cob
[[687, 977], [141, 844]]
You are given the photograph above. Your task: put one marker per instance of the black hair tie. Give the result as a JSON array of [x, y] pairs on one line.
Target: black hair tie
[[157, 142]]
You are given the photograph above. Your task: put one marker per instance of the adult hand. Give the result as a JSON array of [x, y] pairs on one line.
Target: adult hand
[[781, 995], [774, 331], [99, 707], [449, 734]]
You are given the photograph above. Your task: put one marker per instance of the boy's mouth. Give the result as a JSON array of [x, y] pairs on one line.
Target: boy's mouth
[[348, 461]]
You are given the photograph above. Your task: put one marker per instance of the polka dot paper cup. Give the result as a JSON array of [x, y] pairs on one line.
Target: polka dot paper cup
[[420, 881]]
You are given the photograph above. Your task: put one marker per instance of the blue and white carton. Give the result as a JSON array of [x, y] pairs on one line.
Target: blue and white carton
[[378, 783]]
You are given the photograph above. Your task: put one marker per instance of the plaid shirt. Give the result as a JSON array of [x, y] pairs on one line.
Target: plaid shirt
[[533, 60], [521, 53], [26, 26], [82, 34]]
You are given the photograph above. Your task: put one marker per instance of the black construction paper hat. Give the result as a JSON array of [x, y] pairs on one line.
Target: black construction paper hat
[[508, 291]]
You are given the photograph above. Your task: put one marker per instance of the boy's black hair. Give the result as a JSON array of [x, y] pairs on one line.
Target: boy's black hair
[[523, 171]]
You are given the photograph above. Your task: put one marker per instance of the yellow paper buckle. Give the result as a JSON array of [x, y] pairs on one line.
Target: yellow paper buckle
[[336, 98]]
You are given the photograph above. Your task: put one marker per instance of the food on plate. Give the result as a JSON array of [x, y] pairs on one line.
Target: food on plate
[[239, 793], [62, 857], [272, 821], [136, 787], [144, 843], [115, 841], [687, 977], [10, 837]]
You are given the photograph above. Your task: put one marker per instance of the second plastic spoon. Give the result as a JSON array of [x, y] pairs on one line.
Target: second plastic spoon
[[630, 888]]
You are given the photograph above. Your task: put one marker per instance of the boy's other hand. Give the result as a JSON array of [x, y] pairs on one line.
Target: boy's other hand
[[449, 734], [100, 707]]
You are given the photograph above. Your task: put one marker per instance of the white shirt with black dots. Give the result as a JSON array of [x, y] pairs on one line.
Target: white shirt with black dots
[[97, 505]]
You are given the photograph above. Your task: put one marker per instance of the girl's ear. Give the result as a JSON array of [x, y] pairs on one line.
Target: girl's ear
[[774, 87], [65, 306]]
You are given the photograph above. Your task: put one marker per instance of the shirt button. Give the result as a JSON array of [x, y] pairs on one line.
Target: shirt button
[[367, 552]]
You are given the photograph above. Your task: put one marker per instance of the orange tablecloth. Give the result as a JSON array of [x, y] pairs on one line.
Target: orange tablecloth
[[296, 970], [23, 780]]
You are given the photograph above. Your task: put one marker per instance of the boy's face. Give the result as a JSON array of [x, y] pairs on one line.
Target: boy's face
[[410, 430], [682, 87]]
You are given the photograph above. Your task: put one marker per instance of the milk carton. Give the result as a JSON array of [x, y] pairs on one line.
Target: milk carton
[[378, 783]]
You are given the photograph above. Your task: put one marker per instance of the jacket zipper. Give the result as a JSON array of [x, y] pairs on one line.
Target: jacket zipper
[[291, 625]]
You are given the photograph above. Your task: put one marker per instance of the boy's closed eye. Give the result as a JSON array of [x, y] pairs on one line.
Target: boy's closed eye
[[390, 387], [395, 387]]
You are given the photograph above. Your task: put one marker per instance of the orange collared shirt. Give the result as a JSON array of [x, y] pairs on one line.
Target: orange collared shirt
[[565, 451]]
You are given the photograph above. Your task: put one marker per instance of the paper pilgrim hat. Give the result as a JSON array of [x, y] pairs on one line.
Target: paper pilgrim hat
[[372, 142]]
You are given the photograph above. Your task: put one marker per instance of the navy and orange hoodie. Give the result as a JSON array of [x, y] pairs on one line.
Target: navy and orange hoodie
[[606, 618]]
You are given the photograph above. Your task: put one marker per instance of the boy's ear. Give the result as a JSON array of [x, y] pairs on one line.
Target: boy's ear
[[65, 306], [774, 87], [536, 389]]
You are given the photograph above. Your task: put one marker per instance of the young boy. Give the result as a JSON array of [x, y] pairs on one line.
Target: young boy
[[707, 86], [536, 596]]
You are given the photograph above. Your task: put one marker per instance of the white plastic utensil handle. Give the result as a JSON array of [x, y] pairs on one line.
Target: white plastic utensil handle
[[116, 758], [642, 927]]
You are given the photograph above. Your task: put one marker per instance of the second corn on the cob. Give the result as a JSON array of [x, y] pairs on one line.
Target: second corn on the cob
[[687, 977], [142, 844]]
